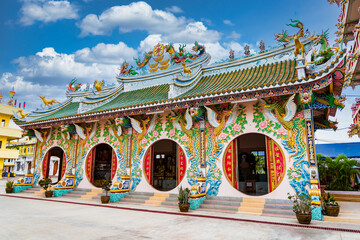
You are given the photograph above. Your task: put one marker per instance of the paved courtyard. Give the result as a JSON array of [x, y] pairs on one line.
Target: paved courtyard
[[33, 219], [23, 218]]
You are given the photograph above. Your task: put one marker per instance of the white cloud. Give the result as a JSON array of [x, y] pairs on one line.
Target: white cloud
[[234, 35], [228, 22], [141, 16], [106, 53], [195, 31], [174, 9], [50, 67], [135, 16], [46, 11]]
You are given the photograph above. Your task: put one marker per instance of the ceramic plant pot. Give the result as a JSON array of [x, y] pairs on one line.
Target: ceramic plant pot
[[304, 218], [184, 207], [105, 199], [8, 190], [49, 194], [332, 210]]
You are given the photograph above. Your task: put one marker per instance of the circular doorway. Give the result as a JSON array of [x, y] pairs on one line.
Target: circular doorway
[[254, 164], [101, 164], [54, 164], [164, 165]]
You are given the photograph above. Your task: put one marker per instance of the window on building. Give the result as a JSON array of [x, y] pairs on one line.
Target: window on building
[[0, 144], [18, 166], [3, 123]]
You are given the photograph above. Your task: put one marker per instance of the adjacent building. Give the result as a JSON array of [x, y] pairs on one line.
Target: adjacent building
[[26, 147], [7, 156]]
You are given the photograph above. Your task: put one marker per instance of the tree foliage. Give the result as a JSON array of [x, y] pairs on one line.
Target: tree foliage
[[337, 173]]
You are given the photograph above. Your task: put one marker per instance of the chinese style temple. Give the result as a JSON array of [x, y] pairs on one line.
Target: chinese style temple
[[241, 128]]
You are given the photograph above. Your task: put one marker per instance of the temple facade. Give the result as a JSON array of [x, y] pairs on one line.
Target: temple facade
[[240, 127]]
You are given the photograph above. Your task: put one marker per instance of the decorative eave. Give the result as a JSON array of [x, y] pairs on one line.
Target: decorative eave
[[194, 101]]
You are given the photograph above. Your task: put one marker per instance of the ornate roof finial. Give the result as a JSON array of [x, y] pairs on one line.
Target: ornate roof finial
[[247, 50], [262, 45], [231, 54]]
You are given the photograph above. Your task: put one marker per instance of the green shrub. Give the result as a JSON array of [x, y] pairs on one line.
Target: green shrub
[[330, 200], [45, 182], [184, 195], [301, 203], [9, 184]]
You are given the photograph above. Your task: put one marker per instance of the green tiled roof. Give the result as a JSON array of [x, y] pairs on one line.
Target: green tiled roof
[[248, 78], [245, 79], [141, 96], [70, 109]]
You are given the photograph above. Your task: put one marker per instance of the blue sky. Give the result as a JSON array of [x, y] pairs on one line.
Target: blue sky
[[44, 44]]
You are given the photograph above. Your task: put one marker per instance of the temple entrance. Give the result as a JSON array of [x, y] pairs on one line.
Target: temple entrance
[[164, 165], [54, 164], [254, 164], [101, 164]]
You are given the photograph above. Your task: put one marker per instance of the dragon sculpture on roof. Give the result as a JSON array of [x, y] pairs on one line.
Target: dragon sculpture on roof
[[325, 52], [285, 38]]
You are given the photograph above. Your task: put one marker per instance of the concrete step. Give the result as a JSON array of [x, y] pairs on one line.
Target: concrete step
[[142, 193], [235, 199], [170, 203], [83, 189], [172, 199], [132, 200], [222, 202], [219, 207], [278, 206], [278, 211], [131, 196], [342, 219], [278, 215], [347, 199], [75, 192]]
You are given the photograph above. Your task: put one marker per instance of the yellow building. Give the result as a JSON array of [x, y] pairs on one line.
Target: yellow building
[[26, 148], [7, 134]]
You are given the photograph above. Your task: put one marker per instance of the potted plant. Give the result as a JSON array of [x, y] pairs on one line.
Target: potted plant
[[9, 186], [45, 183], [183, 197], [332, 208], [302, 207], [106, 186]]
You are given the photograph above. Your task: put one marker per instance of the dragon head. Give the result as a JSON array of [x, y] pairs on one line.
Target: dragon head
[[28, 132], [196, 47], [321, 38], [340, 101], [282, 37], [333, 125], [122, 121], [66, 128], [354, 130], [125, 65], [306, 97], [197, 112]]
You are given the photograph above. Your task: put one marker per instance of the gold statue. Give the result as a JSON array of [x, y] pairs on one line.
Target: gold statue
[[48, 102], [186, 69], [98, 85], [22, 114]]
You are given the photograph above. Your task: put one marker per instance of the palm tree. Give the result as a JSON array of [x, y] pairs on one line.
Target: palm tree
[[341, 169], [322, 162]]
